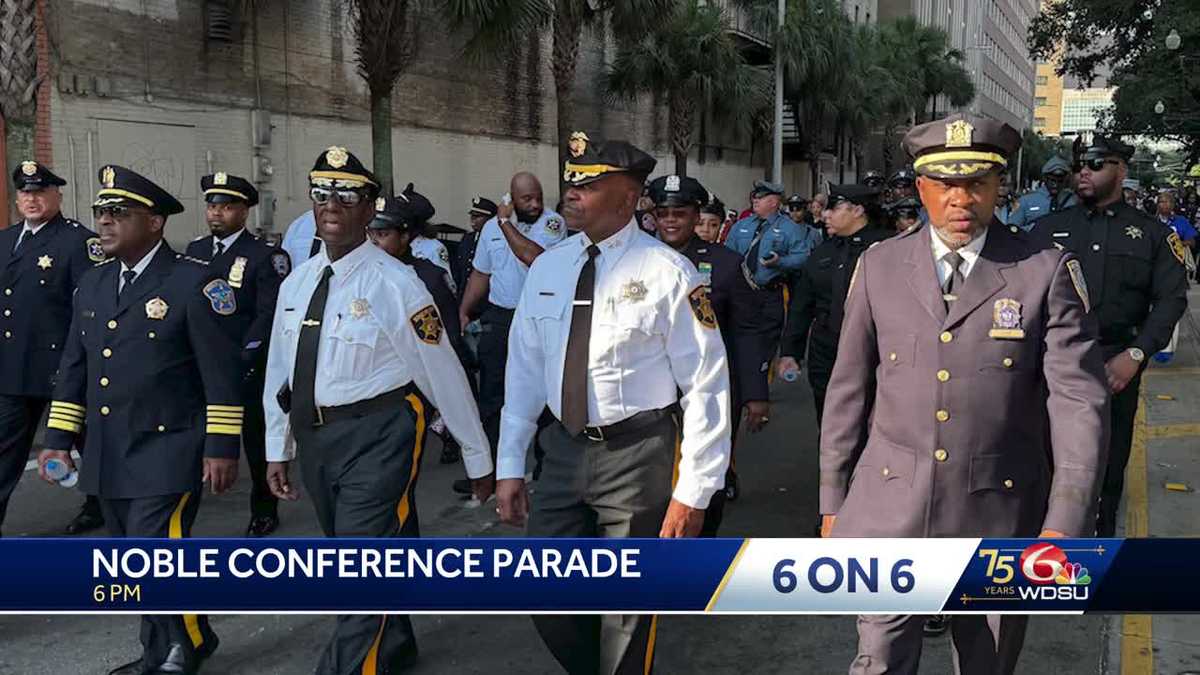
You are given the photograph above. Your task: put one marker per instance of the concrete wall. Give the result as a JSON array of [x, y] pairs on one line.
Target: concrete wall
[[138, 82]]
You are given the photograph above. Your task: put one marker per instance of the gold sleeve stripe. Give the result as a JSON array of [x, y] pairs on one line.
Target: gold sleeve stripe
[[67, 405], [66, 418], [227, 429], [225, 415], [227, 408], [64, 426], [68, 414]]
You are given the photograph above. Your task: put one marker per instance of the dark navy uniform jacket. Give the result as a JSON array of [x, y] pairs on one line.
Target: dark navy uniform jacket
[[463, 264], [1134, 268], [255, 280], [735, 305], [434, 278], [151, 377], [36, 286], [818, 294]]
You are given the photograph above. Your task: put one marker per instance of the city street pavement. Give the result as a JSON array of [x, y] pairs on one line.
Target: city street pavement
[[778, 469]]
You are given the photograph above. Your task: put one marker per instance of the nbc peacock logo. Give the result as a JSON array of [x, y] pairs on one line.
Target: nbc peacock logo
[[1052, 576]]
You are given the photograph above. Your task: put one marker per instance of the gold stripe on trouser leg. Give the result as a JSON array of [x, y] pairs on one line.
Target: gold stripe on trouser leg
[[678, 455], [371, 663], [175, 531], [648, 664], [403, 508]]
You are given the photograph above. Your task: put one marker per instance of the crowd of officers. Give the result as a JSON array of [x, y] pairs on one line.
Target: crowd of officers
[[624, 337]]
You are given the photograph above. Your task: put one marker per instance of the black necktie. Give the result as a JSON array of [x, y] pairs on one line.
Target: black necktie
[[26, 235], [955, 281], [128, 276], [220, 248], [315, 248], [304, 377], [575, 365], [750, 262]]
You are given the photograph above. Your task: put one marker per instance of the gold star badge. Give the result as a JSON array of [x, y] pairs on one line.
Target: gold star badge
[[959, 133], [45, 262], [337, 157], [359, 308], [634, 291], [156, 308], [28, 168]]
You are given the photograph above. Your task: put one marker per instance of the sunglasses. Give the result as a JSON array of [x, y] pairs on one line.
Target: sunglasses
[[348, 198], [1098, 164], [117, 211]]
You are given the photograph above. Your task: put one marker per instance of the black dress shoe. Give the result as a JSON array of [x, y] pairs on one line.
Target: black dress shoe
[[935, 625], [262, 526], [451, 451], [175, 663], [462, 486], [131, 668], [87, 520], [731, 486]]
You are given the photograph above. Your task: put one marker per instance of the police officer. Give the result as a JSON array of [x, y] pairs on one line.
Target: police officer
[[677, 203], [612, 330], [712, 217], [797, 207], [430, 247], [874, 179], [502, 259], [1138, 291], [902, 185], [905, 213], [482, 209], [772, 247], [1054, 195], [951, 331], [41, 260], [150, 354], [819, 291], [357, 347], [254, 270]]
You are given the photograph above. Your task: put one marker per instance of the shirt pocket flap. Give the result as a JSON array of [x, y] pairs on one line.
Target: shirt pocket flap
[[997, 472], [546, 306], [888, 461], [361, 332], [899, 352]]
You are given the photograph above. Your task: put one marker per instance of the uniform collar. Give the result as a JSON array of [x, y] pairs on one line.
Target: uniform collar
[[144, 262], [346, 264], [228, 241], [614, 244], [31, 230], [970, 252]]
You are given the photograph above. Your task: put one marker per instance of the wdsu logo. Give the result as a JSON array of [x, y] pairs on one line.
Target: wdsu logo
[[1050, 574]]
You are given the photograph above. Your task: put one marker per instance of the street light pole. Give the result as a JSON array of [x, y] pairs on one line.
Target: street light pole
[[777, 141]]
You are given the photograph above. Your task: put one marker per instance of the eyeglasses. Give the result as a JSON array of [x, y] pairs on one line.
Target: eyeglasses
[[907, 214], [117, 211], [1098, 164], [348, 198]]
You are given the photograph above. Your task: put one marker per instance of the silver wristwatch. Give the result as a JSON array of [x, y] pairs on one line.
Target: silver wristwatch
[[1137, 354]]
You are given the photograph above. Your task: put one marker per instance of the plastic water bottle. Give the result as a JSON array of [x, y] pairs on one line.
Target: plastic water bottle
[[791, 375], [59, 473]]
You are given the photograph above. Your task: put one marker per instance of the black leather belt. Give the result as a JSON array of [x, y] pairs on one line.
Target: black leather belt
[[386, 401], [628, 425]]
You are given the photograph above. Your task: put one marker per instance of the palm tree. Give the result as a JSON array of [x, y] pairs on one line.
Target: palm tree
[[494, 26], [387, 34], [692, 60], [18, 77], [928, 50]]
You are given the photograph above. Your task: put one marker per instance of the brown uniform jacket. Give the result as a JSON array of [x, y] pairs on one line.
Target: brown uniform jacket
[[935, 428]]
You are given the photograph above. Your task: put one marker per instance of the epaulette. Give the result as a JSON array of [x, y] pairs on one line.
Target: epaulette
[[189, 258], [73, 223], [104, 262], [203, 236]]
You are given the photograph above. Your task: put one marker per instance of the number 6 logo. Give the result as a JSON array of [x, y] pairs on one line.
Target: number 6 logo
[[1041, 563]]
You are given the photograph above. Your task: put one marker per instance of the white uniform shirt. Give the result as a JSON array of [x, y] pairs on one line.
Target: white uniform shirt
[[647, 344], [137, 268], [494, 257], [435, 252], [368, 351], [28, 231], [970, 254], [298, 239]]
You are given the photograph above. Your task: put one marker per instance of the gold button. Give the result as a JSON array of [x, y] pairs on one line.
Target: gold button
[[8, 312], [161, 428], [107, 352], [150, 335], [946, 336], [892, 356], [941, 455], [53, 346], [8, 333], [886, 471], [943, 375], [104, 382], [103, 410], [942, 415], [112, 324], [41, 282], [1008, 483], [8, 291], [1008, 362], [1013, 229]]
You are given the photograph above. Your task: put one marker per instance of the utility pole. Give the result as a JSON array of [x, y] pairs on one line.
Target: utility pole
[[777, 141]]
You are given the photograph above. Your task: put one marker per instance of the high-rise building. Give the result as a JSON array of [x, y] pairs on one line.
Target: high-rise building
[[991, 33], [1081, 107], [1047, 100]]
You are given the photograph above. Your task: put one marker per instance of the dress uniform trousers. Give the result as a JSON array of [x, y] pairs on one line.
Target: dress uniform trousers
[[254, 442], [1121, 420], [19, 417], [618, 487], [772, 317], [822, 352], [493, 355], [165, 516], [360, 470], [982, 644]]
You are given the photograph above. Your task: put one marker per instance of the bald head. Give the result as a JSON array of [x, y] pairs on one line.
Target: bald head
[[526, 192]]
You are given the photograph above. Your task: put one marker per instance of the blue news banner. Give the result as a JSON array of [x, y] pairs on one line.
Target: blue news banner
[[787, 576]]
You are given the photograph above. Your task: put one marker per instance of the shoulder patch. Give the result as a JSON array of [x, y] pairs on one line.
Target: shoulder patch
[[1177, 247], [428, 325], [1076, 271], [94, 251], [702, 307], [282, 263], [221, 296]]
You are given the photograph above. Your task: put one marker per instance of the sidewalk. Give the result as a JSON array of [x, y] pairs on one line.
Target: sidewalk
[[1166, 450]]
